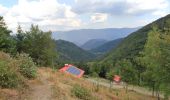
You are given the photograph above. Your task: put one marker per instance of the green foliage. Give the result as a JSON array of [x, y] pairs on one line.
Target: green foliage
[[81, 92], [133, 44], [157, 47], [143, 57], [38, 44], [26, 66], [127, 71], [70, 52], [84, 66], [109, 75], [8, 77], [13, 71], [106, 47], [94, 74], [20, 40], [7, 43]]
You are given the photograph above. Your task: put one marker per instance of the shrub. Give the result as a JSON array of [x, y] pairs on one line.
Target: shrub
[[81, 92], [26, 66], [8, 77], [5, 57]]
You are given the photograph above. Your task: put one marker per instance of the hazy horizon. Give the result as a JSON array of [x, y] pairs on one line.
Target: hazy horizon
[[64, 15]]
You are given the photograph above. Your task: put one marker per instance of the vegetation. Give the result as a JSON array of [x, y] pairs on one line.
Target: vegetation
[[38, 44], [26, 51], [26, 66], [13, 70], [81, 92], [69, 52], [106, 47], [8, 77], [142, 58], [93, 43], [7, 43]]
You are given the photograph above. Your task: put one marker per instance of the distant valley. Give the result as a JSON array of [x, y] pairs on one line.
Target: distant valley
[[94, 43], [79, 37]]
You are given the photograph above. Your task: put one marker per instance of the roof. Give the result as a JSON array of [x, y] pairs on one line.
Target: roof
[[73, 70]]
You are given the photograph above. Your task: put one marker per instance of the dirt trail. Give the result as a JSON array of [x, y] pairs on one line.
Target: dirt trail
[[42, 89]]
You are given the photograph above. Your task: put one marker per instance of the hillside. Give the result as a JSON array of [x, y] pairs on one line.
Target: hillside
[[79, 37], [91, 44], [106, 47], [70, 52], [133, 44], [54, 85]]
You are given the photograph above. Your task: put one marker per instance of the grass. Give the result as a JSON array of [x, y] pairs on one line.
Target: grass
[[63, 88], [64, 83]]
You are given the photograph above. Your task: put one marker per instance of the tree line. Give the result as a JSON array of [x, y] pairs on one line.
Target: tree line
[[38, 44]]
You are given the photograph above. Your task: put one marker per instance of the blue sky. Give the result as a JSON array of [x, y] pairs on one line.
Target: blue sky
[[8, 3], [79, 14]]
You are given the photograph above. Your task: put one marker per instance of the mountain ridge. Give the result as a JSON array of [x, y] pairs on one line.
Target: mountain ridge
[[93, 43], [106, 47], [134, 43], [81, 36], [70, 52]]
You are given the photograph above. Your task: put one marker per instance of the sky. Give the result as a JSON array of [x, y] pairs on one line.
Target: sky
[[63, 15]]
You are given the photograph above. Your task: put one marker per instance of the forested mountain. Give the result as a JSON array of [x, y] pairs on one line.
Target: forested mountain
[[79, 37], [70, 52], [142, 58], [102, 49], [91, 44], [133, 44]]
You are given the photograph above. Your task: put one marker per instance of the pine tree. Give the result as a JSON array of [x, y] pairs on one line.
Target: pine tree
[[7, 43]]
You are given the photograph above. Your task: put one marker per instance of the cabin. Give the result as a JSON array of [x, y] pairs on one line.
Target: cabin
[[73, 70]]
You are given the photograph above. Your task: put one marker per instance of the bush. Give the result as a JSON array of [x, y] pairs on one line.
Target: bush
[[8, 77], [26, 66], [81, 92]]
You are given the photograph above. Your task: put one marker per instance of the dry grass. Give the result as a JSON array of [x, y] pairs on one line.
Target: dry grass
[[61, 85]]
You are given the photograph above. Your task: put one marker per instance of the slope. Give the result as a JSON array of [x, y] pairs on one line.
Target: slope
[[133, 44], [91, 44], [106, 47], [71, 52], [53, 85]]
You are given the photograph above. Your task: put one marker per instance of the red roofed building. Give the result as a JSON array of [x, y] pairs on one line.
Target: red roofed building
[[71, 69], [117, 78]]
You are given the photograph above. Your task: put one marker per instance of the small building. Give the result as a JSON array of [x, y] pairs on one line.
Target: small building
[[73, 70], [117, 78]]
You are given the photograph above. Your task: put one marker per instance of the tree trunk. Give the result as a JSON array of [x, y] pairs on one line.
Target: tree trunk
[[110, 85], [126, 87], [153, 90], [158, 97]]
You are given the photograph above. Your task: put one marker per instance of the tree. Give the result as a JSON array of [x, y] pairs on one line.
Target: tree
[[38, 44], [20, 36], [152, 59], [156, 59], [165, 63], [127, 72], [7, 43]]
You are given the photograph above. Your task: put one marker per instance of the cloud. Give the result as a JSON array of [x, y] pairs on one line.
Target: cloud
[[121, 7], [3, 10], [98, 17], [52, 15], [42, 12]]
